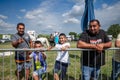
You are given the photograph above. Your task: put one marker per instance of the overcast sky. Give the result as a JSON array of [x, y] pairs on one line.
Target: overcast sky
[[48, 16]]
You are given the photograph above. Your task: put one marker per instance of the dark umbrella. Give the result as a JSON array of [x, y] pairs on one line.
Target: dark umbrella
[[88, 14]]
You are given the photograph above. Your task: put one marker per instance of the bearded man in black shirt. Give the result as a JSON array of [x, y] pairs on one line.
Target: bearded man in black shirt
[[96, 39]]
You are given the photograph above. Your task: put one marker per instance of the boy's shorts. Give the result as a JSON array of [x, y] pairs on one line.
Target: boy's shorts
[[60, 68], [24, 65], [39, 72]]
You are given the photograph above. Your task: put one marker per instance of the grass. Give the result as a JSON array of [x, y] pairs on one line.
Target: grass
[[7, 67]]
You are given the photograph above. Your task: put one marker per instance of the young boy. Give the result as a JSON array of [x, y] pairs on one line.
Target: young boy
[[39, 58], [61, 63]]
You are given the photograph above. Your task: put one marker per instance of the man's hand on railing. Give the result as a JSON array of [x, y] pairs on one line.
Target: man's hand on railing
[[100, 47]]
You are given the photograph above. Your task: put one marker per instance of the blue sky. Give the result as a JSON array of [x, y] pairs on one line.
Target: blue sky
[[48, 16]]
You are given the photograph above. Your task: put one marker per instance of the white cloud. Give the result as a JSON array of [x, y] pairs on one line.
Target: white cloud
[[23, 10], [4, 24], [6, 27], [19, 17], [72, 20], [43, 19], [73, 15], [76, 11], [108, 15], [78, 1], [104, 5], [3, 17], [34, 14]]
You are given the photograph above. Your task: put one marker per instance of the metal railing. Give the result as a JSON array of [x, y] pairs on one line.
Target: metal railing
[[8, 66]]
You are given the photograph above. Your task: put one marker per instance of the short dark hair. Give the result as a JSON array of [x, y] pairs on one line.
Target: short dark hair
[[20, 24], [38, 42], [98, 22], [62, 34]]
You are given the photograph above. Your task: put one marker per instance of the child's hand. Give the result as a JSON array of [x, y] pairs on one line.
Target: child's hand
[[67, 47], [44, 55], [64, 48], [49, 48]]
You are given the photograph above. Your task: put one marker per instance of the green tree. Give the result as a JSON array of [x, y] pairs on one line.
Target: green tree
[[73, 33], [44, 35], [114, 30], [0, 36], [78, 35]]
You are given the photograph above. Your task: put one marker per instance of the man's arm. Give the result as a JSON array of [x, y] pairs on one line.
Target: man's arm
[[117, 43], [82, 44], [31, 44], [17, 42], [102, 46], [107, 44]]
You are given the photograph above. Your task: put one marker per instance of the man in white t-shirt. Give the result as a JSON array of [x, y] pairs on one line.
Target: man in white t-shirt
[[116, 60]]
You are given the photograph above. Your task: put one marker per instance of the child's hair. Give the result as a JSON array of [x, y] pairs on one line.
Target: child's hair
[[38, 42], [62, 34]]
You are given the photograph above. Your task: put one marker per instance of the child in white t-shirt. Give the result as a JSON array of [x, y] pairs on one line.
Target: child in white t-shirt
[[62, 60]]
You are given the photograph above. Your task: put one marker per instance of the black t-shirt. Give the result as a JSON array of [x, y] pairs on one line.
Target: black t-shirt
[[93, 58]]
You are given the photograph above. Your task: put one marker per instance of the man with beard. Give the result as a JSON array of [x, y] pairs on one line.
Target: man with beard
[[96, 39], [22, 40]]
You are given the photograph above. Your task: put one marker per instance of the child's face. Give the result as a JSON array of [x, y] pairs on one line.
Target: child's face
[[37, 46], [62, 39]]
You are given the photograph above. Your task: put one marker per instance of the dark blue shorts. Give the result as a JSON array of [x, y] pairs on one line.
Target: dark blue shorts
[[60, 68]]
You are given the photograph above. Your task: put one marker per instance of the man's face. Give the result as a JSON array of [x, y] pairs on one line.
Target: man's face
[[21, 29], [94, 27]]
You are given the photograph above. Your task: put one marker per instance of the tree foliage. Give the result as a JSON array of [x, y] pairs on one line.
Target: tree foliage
[[114, 30], [43, 35], [73, 33], [0, 36]]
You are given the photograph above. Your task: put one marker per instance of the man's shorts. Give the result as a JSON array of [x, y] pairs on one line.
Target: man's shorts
[[24, 65]]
